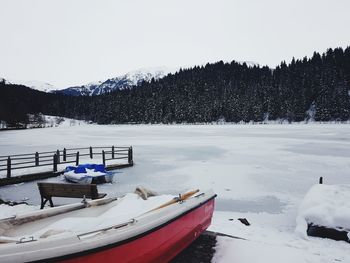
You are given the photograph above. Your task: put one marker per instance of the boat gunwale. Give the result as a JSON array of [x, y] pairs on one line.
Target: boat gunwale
[[36, 215], [125, 241]]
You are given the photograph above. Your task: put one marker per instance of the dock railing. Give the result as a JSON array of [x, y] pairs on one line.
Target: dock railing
[[8, 163]]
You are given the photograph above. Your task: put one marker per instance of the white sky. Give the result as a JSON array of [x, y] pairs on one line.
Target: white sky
[[71, 42]]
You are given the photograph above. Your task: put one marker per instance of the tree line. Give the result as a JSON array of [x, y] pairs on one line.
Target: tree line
[[309, 88]]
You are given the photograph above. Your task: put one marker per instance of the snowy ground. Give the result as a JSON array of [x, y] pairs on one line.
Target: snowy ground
[[260, 172]]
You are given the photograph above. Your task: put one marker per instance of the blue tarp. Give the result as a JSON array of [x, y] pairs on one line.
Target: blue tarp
[[81, 168]]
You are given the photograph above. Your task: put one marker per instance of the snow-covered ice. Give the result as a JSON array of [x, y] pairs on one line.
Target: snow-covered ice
[[260, 172]]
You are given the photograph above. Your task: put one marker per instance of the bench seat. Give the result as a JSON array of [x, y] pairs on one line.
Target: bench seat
[[49, 190]]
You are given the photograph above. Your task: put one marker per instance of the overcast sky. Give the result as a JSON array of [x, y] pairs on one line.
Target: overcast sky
[[70, 42]]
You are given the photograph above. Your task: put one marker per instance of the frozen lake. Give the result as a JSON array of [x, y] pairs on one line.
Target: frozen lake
[[270, 164], [260, 172]]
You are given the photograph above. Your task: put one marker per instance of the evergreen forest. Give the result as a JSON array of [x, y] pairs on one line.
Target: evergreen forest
[[316, 88]]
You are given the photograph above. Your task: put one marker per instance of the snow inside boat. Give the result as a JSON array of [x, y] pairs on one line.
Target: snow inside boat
[[88, 174], [126, 229]]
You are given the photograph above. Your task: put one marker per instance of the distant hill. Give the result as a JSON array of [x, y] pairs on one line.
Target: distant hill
[[33, 84]]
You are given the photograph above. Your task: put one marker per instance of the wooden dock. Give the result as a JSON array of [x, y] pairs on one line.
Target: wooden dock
[[53, 159]]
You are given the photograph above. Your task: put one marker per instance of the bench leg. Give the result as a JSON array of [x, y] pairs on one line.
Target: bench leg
[[44, 201], [51, 203]]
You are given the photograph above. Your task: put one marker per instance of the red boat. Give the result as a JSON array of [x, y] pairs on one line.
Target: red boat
[[59, 234]]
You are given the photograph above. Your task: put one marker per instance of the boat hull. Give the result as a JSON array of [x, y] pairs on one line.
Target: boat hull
[[157, 245]]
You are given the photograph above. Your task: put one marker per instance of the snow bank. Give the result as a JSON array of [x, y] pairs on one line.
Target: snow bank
[[325, 205], [55, 121]]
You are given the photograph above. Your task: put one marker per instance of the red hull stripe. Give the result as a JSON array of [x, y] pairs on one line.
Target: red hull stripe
[[197, 219]]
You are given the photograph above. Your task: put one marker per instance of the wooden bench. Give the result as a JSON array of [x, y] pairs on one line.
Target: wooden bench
[[49, 190]]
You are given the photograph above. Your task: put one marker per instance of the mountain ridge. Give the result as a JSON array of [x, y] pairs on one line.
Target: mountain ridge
[[128, 80]]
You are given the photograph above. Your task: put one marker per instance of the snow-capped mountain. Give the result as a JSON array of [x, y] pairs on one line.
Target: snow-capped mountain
[[33, 84], [133, 78]]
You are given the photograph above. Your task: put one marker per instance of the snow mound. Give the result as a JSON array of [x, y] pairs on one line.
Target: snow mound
[[325, 205]]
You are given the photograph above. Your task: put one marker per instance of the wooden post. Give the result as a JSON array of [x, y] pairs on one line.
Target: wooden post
[[113, 152], [77, 159], [54, 163], [9, 167], [130, 161], [36, 159], [321, 180], [91, 154], [103, 157], [58, 156], [64, 154]]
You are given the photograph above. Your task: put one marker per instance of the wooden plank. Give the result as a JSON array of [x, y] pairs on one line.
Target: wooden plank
[[9, 167], [28, 178]]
